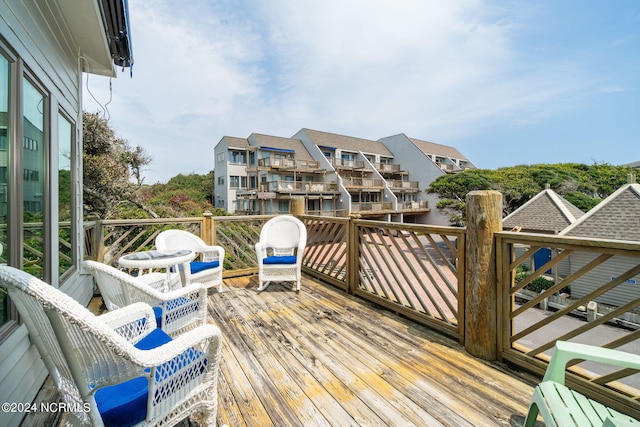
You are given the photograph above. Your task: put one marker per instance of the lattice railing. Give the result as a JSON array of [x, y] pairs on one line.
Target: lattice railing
[[592, 297], [412, 269], [326, 254]]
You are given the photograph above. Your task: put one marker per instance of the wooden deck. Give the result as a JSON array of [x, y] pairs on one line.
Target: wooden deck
[[322, 358]]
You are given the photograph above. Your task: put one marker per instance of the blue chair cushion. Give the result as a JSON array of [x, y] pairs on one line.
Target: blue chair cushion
[[125, 404], [170, 306], [198, 266], [282, 259]]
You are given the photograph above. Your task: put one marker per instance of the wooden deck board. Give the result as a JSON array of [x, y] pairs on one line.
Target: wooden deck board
[[322, 358]]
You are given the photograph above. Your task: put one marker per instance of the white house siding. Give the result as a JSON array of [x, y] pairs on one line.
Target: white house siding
[[17, 385], [421, 168], [30, 29], [614, 267]]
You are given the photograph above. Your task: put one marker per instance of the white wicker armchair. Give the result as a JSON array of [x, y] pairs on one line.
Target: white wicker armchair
[[280, 250], [176, 311], [207, 270], [118, 368]]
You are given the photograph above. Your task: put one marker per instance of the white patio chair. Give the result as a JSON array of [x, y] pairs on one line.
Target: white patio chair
[[175, 311], [207, 270], [118, 368], [279, 251]]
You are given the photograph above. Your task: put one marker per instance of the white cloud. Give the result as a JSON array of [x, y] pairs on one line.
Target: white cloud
[[365, 68]]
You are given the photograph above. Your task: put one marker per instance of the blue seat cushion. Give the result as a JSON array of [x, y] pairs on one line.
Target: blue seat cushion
[[170, 305], [198, 266], [280, 259], [125, 404]]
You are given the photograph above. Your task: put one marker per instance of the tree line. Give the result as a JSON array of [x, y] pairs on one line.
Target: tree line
[[582, 185]]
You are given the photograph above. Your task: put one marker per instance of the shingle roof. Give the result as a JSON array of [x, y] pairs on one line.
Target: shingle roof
[[547, 212], [615, 218], [348, 143], [281, 142], [438, 149], [234, 142]]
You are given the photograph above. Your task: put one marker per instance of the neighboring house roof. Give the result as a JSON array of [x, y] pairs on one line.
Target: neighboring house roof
[[269, 141], [615, 218], [438, 149], [547, 212], [349, 143], [234, 142], [634, 165]]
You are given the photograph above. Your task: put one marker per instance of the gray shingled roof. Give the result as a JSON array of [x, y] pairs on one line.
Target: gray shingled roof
[[281, 142], [615, 218], [546, 212], [438, 149], [348, 143], [234, 142]]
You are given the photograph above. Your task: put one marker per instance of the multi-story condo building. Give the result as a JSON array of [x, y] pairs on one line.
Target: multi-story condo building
[[335, 174]]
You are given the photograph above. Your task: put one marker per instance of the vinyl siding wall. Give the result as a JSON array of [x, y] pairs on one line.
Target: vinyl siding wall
[[35, 32]]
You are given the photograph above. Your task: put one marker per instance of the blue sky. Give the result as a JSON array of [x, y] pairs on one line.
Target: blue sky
[[505, 82]]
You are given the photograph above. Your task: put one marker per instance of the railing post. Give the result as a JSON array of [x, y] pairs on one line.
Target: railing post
[[98, 241], [297, 205], [352, 253], [208, 228], [484, 218]]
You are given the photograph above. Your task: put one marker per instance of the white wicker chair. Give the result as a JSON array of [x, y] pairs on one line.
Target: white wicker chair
[[118, 367], [208, 270], [280, 250], [176, 311]]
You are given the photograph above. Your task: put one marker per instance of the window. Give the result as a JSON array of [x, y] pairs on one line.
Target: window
[[66, 227], [243, 182], [4, 179], [234, 181], [220, 157], [220, 180], [238, 157], [33, 157]]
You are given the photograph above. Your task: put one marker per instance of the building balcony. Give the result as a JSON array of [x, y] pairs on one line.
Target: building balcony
[[371, 207], [387, 167], [305, 187], [346, 164], [288, 164], [413, 206], [362, 183], [397, 185]]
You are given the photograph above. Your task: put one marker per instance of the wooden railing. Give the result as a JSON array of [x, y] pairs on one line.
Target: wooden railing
[[396, 184], [352, 182], [367, 207], [421, 272], [593, 297], [286, 163], [386, 167], [299, 186]]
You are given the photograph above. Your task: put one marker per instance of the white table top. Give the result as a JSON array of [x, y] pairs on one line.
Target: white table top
[[156, 259]]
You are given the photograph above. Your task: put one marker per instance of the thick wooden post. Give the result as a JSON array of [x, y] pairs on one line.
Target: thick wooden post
[[484, 218], [208, 229], [297, 205]]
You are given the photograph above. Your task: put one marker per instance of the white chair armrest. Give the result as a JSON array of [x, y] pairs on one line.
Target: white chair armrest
[[210, 253], [204, 336], [567, 351], [126, 321]]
